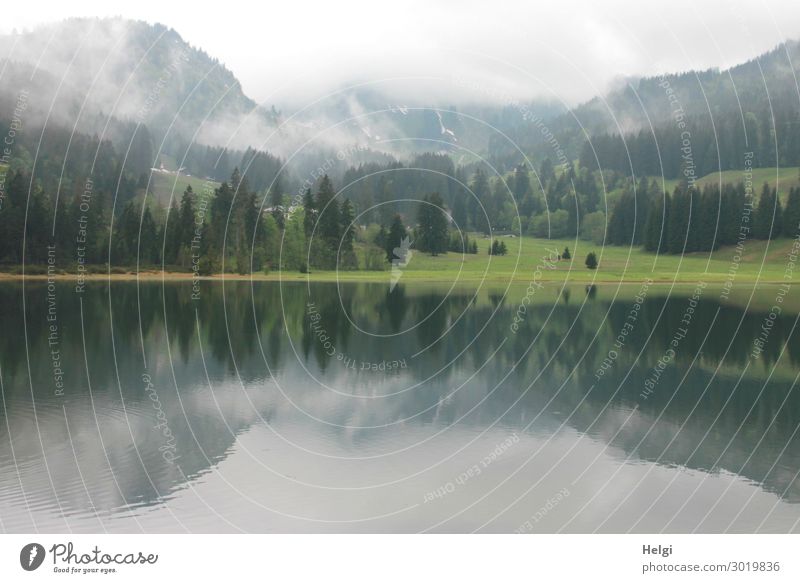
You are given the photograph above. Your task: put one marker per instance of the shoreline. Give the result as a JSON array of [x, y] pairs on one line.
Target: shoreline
[[383, 276]]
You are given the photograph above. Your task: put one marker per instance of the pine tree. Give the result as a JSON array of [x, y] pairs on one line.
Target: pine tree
[[432, 225], [186, 228], [546, 171], [309, 213], [168, 237], [709, 216], [326, 232], [394, 239], [521, 184], [236, 179], [347, 255], [677, 229], [271, 249], [251, 254], [591, 260], [148, 239], [329, 227], [276, 201], [768, 217], [655, 232], [219, 241], [481, 196]]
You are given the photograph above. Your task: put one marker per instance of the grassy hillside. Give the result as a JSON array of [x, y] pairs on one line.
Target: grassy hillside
[[162, 186], [782, 178]]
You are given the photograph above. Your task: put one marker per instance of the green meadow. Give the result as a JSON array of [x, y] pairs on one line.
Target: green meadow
[[782, 179], [760, 262]]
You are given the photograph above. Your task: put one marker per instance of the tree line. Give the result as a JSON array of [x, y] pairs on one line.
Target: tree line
[[693, 219]]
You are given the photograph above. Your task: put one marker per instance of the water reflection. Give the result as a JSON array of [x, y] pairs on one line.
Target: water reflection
[[352, 408]]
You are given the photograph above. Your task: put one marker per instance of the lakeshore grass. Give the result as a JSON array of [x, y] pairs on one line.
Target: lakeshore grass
[[757, 262]]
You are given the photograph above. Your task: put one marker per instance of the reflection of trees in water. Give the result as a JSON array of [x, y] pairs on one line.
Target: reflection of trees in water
[[741, 419], [565, 332], [395, 307]]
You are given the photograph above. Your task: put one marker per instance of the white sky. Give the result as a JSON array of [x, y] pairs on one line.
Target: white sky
[[569, 49]]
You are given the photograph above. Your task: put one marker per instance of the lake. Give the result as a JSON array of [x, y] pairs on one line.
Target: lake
[[354, 407]]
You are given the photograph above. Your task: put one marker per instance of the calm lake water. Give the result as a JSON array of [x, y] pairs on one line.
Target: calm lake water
[[274, 407]]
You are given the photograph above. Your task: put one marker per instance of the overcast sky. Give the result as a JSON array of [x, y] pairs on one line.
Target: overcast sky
[[565, 49]]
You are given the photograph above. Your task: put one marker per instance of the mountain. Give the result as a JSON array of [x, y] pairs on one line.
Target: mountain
[[126, 80], [751, 107], [84, 71]]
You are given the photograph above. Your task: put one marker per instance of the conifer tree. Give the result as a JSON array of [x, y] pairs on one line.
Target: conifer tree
[[768, 216], [432, 236], [394, 238], [791, 214]]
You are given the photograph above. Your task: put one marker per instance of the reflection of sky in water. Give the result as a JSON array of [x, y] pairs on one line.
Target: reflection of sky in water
[[331, 447]]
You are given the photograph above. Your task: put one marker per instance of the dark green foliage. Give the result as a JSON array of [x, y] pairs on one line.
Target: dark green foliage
[[276, 202], [481, 193], [432, 230], [591, 260], [768, 222], [655, 231], [326, 231], [498, 248], [188, 231], [459, 243], [626, 225], [394, 238], [309, 214], [791, 214]]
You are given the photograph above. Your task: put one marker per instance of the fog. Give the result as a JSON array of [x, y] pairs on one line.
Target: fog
[[349, 75], [292, 53]]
